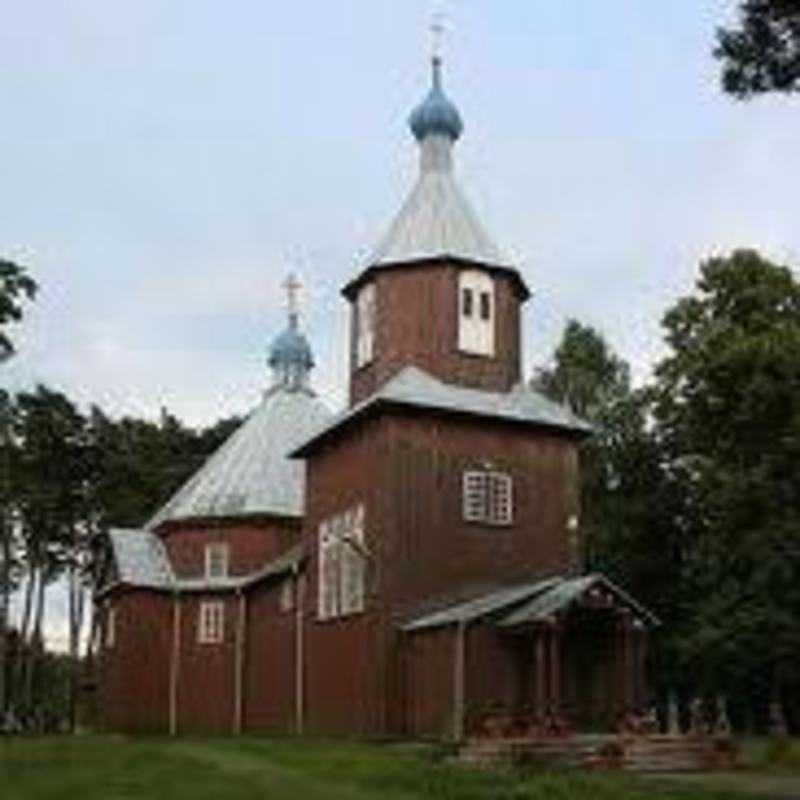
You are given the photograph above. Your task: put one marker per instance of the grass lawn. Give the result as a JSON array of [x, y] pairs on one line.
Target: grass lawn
[[117, 768]]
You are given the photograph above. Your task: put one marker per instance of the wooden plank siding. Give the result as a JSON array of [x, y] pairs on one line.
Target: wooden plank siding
[[417, 323]]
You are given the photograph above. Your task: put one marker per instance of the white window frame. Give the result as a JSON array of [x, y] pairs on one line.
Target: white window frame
[[211, 622], [476, 331], [217, 560], [352, 563], [111, 628], [342, 564], [327, 586], [488, 497], [365, 312]]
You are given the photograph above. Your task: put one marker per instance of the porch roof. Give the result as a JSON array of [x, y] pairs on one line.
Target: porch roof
[[559, 597], [482, 606], [528, 603]]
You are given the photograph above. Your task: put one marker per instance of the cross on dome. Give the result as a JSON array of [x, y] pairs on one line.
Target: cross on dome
[[290, 355], [292, 286]]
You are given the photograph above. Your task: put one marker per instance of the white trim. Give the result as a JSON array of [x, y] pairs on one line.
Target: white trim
[[217, 560], [365, 325], [211, 622], [476, 312], [342, 564], [487, 497]]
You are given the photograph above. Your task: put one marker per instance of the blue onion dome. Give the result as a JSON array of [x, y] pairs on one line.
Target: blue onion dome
[[290, 356], [436, 114]]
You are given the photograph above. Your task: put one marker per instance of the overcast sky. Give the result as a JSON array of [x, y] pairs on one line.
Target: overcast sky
[[164, 164]]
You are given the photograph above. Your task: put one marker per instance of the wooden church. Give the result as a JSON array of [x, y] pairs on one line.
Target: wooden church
[[397, 569]]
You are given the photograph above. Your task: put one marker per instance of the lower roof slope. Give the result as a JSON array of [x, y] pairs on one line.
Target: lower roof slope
[[416, 388], [141, 561], [250, 473]]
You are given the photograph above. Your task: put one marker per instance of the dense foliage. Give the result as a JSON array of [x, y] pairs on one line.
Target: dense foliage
[[691, 485], [763, 53], [68, 476]]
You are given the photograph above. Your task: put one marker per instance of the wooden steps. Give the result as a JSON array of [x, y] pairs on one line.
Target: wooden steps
[[639, 754]]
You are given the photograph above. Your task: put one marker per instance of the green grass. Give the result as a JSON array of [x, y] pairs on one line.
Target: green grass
[[109, 768]]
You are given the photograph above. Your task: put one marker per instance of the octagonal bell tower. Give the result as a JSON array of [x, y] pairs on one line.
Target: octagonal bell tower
[[436, 292]]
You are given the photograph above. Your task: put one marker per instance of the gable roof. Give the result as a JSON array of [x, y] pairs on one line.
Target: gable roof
[[528, 603], [250, 473], [481, 606], [415, 388], [567, 591]]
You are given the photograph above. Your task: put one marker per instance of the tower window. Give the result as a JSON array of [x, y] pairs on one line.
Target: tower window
[[486, 306], [476, 325], [365, 325], [466, 302], [217, 556], [211, 623], [488, 497]]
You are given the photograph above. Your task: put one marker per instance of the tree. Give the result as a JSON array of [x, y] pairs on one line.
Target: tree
[[620, 468], [15, 286], [763, 54], [726, 401]]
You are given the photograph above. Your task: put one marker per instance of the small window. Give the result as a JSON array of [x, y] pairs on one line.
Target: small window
[[476, 325], [466, 302], [486, 306], [211, 623], [111, 628], [488, 497], [328, 588], [287, 595], [365, 325], [217, 560]]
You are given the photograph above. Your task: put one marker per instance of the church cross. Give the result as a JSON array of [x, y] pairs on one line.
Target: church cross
[[292, 286], [438, 30]]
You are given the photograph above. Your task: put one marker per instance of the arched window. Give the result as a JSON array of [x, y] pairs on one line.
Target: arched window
[[476, 313]]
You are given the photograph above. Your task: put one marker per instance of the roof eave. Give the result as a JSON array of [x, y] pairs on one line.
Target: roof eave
[[349, 289], [310, 446]]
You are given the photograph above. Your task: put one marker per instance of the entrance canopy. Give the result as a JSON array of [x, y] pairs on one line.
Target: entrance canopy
[[529, 604]]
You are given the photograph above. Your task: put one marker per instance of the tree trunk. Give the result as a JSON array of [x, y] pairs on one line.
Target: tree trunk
[[35, 645], [22, 638], [75, 619]]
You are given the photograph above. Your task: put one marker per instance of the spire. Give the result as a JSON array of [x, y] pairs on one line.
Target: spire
[[290, 354]]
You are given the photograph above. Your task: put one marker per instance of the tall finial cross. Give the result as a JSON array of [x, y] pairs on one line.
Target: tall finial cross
[[438, 30], [292, 286]]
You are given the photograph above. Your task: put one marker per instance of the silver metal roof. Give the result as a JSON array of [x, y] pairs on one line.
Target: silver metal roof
[[528, 603], [481, 606], [415, 387], [141, 561], [541, 608], [437, 220], [250, 473]]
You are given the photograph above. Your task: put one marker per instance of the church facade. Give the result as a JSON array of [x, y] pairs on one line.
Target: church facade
[[405, 567]]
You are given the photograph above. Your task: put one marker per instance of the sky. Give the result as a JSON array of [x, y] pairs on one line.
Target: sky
[[164, 165]]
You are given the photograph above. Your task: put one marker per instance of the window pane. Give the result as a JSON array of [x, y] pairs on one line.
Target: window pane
[[466, 302], [486, 305], [474, 496]]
